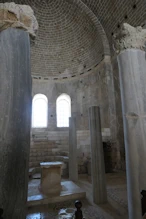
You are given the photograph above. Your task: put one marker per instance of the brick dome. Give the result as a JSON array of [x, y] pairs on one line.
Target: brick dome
[[68, 42]]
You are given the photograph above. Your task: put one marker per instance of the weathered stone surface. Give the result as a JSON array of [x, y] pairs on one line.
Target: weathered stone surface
[[18, 16], [132, 66], [15, 118], [51, 178], [87, 91], [130, 37], [73, 165], [113, 117], [97, 157]]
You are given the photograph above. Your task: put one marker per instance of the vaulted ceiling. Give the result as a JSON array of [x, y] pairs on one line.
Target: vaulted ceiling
[[69, 43]]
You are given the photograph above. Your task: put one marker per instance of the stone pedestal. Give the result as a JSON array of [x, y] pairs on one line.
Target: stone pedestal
[[132, 70], [15, 119], [51, 178], [97, 157], [73, 163]]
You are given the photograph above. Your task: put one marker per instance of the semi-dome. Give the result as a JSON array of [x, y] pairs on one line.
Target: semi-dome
[[68, 42]]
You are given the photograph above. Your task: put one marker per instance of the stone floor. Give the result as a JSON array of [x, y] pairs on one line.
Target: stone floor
[[116, 207], [70, 191]]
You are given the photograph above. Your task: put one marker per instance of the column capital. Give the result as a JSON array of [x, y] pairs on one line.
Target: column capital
[[129, 37], [18, 16]]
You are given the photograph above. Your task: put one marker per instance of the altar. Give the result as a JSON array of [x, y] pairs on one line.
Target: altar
[[51, 178]]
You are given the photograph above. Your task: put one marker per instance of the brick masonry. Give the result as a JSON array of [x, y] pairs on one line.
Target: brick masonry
[[68, 43], [54, 146], [70, 46], [84, 92]]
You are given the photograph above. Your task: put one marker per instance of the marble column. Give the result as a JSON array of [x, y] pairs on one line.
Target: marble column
[[73, 163], [97, 157], [15, 117], [113, 117], [130, 44]]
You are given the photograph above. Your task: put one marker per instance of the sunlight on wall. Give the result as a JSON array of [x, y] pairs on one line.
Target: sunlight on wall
[[63, 110], [39, 111]]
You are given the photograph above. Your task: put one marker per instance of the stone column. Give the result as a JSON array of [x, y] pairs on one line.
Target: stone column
[[97, 157], [73, 163], [130, 44], [113, 117], [15, 114]]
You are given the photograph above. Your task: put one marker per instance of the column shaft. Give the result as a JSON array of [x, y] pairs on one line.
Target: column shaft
[[116, 156], [73, 163], [15, 117], [132, 70], [97, 157]]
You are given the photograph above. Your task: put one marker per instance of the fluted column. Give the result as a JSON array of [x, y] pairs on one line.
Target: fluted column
[[15, 113], [97, 157], [130, 44]]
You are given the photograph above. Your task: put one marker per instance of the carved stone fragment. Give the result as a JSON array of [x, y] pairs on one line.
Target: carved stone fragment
[[18, 16], [130, 37]]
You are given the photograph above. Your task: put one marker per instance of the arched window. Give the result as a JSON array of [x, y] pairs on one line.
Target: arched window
[[63, 110], [39, 111]]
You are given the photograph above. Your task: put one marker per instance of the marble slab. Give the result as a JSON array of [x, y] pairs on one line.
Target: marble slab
[[50, 164]]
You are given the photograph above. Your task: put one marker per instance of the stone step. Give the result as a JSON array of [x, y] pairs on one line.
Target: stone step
[[36, 176], [33, 171], [58, 158], [43, 145], [41, 136], [40, 139], [43, 154], [70, 191], [64, 153]]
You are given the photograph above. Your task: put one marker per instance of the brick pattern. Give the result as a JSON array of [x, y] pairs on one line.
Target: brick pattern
[[48, 146], [54, 146], [87, 91], [67, 41], [84, 92], [69, 44], [113, 13]]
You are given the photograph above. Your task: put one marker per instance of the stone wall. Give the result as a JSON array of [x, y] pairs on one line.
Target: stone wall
[[85, 91], [54, 146]]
